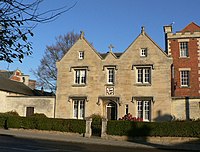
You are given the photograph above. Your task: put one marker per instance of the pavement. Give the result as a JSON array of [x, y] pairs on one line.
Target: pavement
[[78, 138]]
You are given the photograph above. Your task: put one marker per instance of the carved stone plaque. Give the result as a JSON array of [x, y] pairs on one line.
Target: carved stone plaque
[[110, 91]]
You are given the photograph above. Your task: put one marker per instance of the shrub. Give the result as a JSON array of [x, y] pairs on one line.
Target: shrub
[[39, 115], [41, 122], [129, 117], [161, 129], [12, 113]]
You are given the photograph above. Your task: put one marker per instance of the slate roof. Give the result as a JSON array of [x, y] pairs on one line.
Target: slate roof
[[103, 55], [15, 87], [20, 88], [6, 74]]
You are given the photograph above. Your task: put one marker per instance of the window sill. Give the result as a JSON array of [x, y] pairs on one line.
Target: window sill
[[143, 84], [79, 85], [109, 84], [187, 87], [184, 57]]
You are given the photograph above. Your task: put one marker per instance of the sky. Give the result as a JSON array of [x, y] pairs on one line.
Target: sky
[[105, 22]]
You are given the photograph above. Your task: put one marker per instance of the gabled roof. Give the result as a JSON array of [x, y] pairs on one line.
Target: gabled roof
[[103, 55], [192, 27], [6, 74], [15, 87], [143, 33], [20, 88], [82, 37]]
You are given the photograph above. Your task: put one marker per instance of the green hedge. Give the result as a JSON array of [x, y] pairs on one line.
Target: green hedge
[[42, 123], [162, 129]]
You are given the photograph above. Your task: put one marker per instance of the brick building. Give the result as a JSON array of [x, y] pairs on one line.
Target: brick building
[[184, 47]]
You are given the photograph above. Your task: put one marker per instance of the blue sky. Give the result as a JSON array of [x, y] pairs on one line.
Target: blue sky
[[116, 22]]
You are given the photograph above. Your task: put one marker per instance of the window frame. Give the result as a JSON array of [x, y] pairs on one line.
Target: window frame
[[81, 55], [143, 75], [79, 110], [143, 108], [184, 78], [80, 76], [143, 52], [110, 75], [183, 49], [126, 109]]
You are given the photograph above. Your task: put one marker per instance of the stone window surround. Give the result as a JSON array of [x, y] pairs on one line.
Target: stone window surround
[[136, 66], [143, 52]]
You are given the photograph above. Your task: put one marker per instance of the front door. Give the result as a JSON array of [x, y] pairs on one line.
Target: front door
[[111, 111]]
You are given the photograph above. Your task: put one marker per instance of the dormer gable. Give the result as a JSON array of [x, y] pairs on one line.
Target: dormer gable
[[139, 44], [79, 46], [192, 27]]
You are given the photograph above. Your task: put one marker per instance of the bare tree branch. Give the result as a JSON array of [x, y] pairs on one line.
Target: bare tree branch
[[17, 19], [46, 72]]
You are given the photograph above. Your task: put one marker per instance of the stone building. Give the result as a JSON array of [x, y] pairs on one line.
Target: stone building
[[184, 48], [136, 81], [18, 96]]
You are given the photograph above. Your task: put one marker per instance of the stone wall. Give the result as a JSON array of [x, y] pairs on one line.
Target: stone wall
[[45, 105], [186, 108]]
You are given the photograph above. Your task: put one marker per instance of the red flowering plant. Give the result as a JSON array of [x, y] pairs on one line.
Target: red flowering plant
[[129, 117]]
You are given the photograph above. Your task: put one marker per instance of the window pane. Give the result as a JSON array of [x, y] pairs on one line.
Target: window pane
[[81, 55], [140, 75], [185, 78], [80, 77], [75, 108], [140, 109], [147, 75], [83, 76], [144, 75], [143, 52], [126, 109], [111, 75], [77, 79], [82, 108], [184, 49], [146, 110]]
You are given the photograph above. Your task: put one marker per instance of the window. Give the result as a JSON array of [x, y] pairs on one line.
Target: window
[[144, 109], [184, 78], [144, 75], [79, 108], [80, 76], [29, 111], [126, 109], [143, 52], [111, 75], [184, 49], [81, 55]]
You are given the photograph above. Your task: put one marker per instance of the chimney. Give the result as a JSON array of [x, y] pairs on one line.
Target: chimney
[[167, 29]]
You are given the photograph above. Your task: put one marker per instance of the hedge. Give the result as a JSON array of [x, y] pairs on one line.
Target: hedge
[[42, 123], [161, 129]]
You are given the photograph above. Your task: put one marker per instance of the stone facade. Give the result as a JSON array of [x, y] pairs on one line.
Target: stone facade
[[186, 108], [44, 105], [19, 103], [137, 81]]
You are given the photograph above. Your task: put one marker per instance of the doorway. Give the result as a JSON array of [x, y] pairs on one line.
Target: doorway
[[111, 111]]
